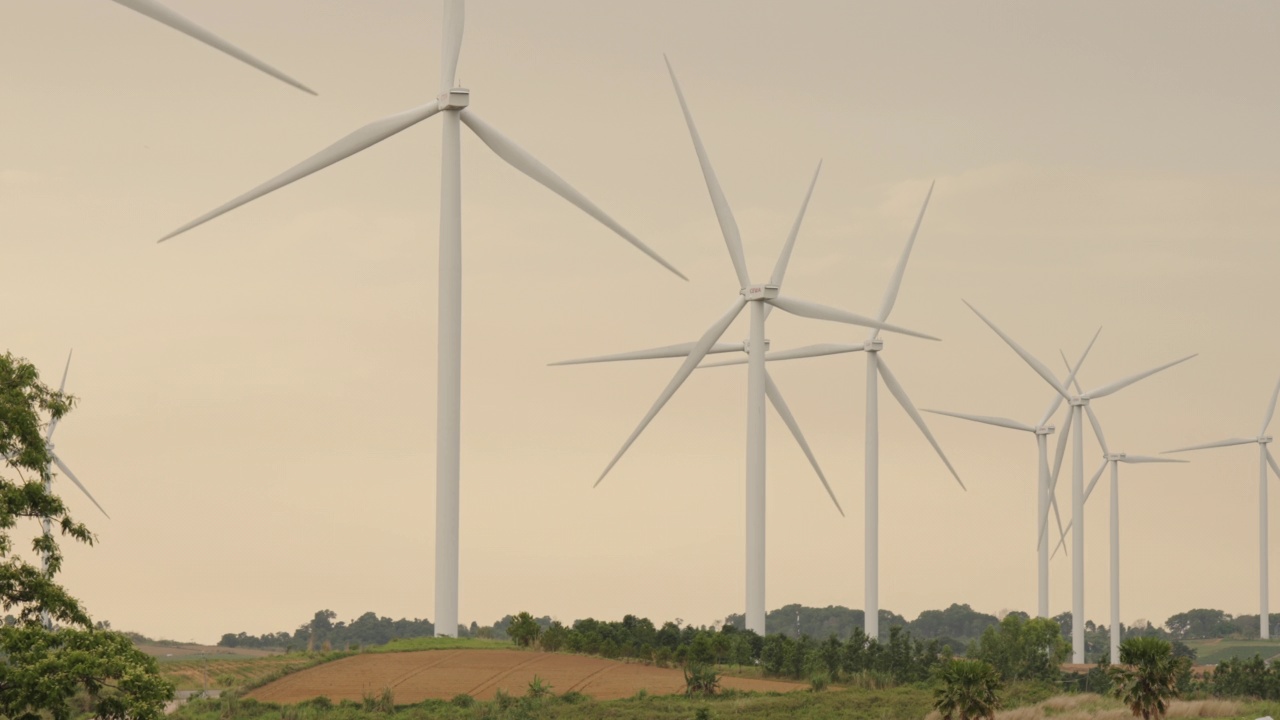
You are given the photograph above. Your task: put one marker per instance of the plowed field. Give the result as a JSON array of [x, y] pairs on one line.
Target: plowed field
[[442, 674]]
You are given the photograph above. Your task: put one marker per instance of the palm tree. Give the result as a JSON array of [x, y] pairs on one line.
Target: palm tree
[[966, 690], [1147, 677]]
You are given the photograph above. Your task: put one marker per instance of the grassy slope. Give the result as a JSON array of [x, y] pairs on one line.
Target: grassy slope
[[1211, 652]]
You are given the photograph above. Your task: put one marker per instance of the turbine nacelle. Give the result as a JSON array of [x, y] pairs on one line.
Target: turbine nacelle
[[1264, 439], [760, 292], [875, 344], [1045, 430], [454, 99], [1116, 457], [746, 345]]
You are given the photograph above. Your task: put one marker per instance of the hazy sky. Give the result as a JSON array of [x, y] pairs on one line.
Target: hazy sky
[[258, 396]]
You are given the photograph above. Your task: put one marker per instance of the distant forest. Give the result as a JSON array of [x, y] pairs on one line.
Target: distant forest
[[955, 627]]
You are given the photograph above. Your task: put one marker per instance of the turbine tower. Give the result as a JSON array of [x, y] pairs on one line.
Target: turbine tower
[[762, 298], [162, 14], [1079, 404], [1264, 458], [1041, 430], [48, 481], [453, 102], [1114, 460], [876, 369]]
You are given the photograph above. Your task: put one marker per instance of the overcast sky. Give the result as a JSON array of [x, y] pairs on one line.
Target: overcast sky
[[257, 397]]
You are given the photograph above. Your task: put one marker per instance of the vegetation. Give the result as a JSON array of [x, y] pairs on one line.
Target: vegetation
[[1147, 678], [966, 689], [1023, 649], [48, 664]]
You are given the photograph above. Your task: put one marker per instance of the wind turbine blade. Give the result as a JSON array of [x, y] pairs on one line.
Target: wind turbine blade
[[668, 351], [1271, 460], [801, 352], [698, 352], [775, 397], [1097, 430], [987, 419], [1062, 542], [451, 47], [521, 160], [1106, 390], [1149, 459], [895, 282], [1271, 409], [1071, 375], [895, 388], [1053, 476], [1217, 444], [371, 134], [1057, 516], [1096, 476], [71, 476], [53, 422], [807, 309], [160, 13], [780, 269], [1035, 364], [728, 226]]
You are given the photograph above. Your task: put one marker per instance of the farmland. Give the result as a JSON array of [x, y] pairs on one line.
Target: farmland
[[441, 674]]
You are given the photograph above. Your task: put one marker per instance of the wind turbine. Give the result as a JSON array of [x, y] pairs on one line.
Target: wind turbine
[[762, 298], [1042, 430], [876, 369], [1114, 460], [453, 104], [1264, 458], [160, 13], [48, 479], [1077, 402]]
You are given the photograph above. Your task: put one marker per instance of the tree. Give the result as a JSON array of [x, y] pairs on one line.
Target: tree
[[44, 668], [966, 689], [1147, 678], [1023, 649], [524, 630]]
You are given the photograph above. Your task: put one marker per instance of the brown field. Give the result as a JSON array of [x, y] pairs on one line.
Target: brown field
[[442, 674]]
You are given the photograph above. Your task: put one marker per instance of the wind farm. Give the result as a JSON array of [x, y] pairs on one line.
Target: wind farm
[[253, 396]]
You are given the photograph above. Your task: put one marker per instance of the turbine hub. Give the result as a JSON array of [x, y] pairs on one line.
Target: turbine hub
[[760, 292], [455, 99], [1045, 430], [873, 345]]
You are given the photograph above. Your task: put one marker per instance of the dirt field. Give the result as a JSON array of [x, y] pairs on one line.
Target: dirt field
[[442, 674]]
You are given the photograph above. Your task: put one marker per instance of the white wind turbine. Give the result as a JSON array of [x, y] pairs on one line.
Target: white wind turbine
[[453, 104], [1114, 460], [160, 13], [1042, 430], [1073, 425], [1264, 458], [48, 477], [876, 369], [762, 298]]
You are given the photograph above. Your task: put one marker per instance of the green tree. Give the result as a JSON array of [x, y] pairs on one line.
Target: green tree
[[966, 689], [44, 668], [524, 630], [1021, 649], [1147, 677]]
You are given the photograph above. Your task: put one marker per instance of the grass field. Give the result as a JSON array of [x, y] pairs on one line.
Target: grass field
[[1211, 652], [222, 673]]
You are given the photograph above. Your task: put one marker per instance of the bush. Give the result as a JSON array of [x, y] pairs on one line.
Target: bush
[[538, 688], [700, 680], [573, 697], [819, 681], [462, 700]]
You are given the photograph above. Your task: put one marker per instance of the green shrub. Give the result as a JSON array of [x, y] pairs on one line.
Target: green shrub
[[819, 681], [462, 700], [700, 680], [538, 688]]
